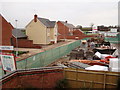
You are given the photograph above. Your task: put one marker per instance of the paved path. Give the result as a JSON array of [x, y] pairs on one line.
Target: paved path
[[35, 51]]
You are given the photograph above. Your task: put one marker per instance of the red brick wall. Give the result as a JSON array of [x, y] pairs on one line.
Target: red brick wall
[[34, 79], [0, 30], [24, 43], [6, 32], [62, 29], [10, 82], [78, 32], [74, 37]]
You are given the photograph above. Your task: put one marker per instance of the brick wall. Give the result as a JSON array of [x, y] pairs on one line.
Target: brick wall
[[62, 29], [6, 32], [10, 82], [24, 43], [33, 79]]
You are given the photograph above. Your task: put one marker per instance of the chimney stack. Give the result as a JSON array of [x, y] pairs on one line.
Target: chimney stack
[[65, 21], [35, 18]]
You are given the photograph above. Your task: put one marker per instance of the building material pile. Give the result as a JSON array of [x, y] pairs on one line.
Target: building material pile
[[103, 57], [79, 65]]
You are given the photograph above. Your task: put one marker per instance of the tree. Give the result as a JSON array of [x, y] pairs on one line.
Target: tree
[[79, 26], [92, 24]]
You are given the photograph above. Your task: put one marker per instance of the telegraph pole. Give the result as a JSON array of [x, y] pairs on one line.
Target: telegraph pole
[[16, 39]]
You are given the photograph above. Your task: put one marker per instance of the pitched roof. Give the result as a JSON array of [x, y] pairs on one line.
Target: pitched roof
[[70, 26], [47, 22], [18, 33]]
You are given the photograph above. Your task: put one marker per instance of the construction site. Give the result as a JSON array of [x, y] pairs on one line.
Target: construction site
[[88, 63]]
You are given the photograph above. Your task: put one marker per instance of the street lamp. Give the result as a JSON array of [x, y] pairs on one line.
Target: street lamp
[[16, 39], [64, 32]]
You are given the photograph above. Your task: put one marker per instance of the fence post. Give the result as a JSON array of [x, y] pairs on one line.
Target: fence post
[[59, 51], [76, 76], [26, 64], [104, 81]]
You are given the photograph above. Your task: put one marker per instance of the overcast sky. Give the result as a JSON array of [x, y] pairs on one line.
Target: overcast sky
[[77, 12]]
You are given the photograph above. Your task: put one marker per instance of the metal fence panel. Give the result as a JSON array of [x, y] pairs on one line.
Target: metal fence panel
[[45, 58]]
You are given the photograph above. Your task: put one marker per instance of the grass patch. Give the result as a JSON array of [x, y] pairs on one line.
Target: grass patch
[[20, 52]]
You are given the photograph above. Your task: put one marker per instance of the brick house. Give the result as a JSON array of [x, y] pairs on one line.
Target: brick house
[[64, 29], [69, 31], [5, 31]]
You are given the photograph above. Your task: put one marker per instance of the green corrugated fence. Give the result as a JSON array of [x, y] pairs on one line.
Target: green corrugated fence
[[45, 58], [115, 40]]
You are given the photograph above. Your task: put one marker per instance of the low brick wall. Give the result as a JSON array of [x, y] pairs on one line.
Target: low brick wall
[[74, 37], [33, 79], [24, 43]]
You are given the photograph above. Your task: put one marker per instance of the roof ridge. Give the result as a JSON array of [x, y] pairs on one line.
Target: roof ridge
[[68, 24], [43, 18]]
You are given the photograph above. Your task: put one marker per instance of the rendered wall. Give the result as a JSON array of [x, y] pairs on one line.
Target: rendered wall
[[36, 31]]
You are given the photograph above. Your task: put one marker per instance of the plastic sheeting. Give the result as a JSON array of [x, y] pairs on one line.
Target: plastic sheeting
[[97, 68]]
